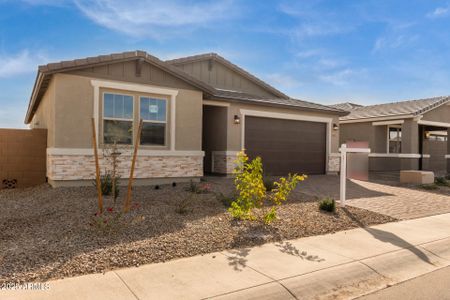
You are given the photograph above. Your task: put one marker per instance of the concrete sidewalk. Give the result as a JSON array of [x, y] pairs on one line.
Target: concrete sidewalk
[[343, 265]]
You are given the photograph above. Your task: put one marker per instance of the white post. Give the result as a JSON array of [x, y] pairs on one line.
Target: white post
[[343, 170]]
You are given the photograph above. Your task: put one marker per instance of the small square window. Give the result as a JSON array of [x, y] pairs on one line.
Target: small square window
[[118, 106], [116, 131], [153, 134], [152, 109]]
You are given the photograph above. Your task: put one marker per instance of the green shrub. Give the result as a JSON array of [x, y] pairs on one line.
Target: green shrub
[[441, 181], [251, 191], [268, 184], [106, 181], [429, 187], [327, 204]]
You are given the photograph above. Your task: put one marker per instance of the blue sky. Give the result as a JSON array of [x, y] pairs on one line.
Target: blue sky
[[369, 51]]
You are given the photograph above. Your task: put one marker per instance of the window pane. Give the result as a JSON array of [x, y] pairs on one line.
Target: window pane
[[128, 107], [118, 106], [120, 132], [153, 134], [108, 105], [153, 109]]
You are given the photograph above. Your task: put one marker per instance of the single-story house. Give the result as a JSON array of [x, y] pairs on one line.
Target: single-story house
[[198, 112], [407, 135]]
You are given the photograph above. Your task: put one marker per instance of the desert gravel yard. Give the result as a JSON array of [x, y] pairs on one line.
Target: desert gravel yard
[[47, 233]]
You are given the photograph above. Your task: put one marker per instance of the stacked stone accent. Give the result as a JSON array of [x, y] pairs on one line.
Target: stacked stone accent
[[334, 163], [223, 163], [82, 167]]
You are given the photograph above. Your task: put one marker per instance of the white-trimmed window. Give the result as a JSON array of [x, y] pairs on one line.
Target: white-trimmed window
[[394, 139], [153, 112], [117, 118]]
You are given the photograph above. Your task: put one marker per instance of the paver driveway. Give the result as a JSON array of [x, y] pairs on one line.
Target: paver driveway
[[395, 201]]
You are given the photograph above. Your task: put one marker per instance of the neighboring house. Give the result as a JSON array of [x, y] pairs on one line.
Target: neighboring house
[[198, 112], [408, 135]]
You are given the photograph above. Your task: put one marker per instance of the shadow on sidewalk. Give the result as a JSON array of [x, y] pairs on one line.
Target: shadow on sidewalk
[[389, 237], [288, 248]]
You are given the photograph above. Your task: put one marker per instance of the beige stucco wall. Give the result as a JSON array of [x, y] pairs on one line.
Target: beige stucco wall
[[440, 114], [365, 132], [45, 114], [74, 96]]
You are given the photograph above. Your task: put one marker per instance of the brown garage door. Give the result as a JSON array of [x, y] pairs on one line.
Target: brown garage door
[[286, 146]]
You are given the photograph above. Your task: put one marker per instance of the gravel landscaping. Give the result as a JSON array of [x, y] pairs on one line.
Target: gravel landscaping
[[47, 233]]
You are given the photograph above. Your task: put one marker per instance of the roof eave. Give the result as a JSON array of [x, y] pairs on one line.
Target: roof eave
[[377, 118], [271, 104], [36, 87]]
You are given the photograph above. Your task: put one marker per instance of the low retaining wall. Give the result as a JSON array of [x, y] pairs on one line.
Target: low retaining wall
[[22, 157]]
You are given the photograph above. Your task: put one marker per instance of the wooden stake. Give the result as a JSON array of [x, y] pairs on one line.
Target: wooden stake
[[133, 162], [97, 169]]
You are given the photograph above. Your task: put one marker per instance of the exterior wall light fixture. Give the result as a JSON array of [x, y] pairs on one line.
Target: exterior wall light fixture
[[335, 126], [237, 120]]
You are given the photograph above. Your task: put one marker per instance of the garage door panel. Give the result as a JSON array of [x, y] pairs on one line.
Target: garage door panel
[[286, 146]]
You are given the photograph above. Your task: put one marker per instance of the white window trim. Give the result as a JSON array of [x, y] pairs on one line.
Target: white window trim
[[388, 137], [284, 116], [432, 123], [397, 155], [97, 84], [124, 152], [154, 121], [394, 122], [215, 103]]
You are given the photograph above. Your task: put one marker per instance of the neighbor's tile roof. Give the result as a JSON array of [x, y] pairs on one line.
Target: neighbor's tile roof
[[410, 107], [245, 97], [347, 106]]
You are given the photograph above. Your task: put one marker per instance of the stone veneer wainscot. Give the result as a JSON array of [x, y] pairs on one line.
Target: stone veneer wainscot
[[82, 167]]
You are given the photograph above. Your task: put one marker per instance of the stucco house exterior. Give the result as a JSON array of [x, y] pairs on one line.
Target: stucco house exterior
[[407, 135], [198, 112]]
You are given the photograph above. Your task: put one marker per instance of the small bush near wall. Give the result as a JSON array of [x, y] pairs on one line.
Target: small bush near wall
[[442, 181], [328, 204], [429, 187]]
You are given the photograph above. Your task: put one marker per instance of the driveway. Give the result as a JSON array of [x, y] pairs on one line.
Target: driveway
[[388, 199]]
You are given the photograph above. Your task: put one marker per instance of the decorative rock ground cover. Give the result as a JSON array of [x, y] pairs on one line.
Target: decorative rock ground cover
[[47, 233]]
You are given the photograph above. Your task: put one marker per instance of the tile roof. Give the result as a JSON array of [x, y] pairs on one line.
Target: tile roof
[[236, 68], [409, 107], [245, 97], [347, 106], [45, 72]]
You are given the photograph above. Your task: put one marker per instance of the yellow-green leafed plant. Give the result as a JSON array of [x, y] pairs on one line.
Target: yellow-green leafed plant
[[282, 188], [249, 186], [252, 191]]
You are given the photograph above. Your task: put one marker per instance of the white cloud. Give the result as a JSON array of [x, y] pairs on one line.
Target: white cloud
[[152, 18], [20, 63], [282, 80], [439, 12], [318, 29], [340, 77], [394, 41], [308, 53]]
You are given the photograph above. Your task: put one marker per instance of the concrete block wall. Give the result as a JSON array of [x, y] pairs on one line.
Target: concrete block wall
[[22, 157]]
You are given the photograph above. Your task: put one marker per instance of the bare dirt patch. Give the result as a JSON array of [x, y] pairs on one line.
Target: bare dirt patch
[[46, 234]]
